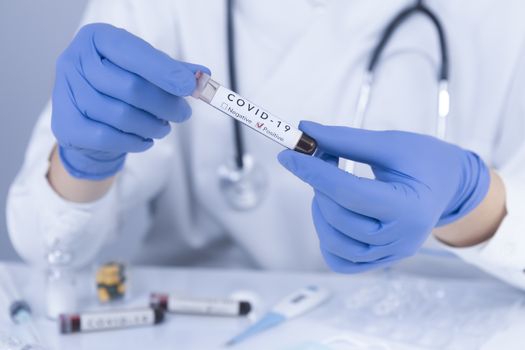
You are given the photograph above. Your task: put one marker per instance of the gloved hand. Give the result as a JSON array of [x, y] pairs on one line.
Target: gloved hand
[[421, 182], [114, 93]]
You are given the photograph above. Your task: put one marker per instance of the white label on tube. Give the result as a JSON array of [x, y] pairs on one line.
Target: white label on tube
[[203, 306], [255, 117], [111, 320]]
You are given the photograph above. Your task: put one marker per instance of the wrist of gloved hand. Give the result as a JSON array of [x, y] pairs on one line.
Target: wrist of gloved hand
[[471, 191], [91, 165]]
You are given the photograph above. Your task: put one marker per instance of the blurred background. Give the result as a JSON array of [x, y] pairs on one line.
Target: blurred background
[[32, 35]]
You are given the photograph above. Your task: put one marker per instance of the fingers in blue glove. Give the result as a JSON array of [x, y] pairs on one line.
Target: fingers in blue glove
[[125, 67], [132, 89], [77, 131], [135, 55], [359, 195], [115, 113], [360, 145], [365, 146], [341, 265], [341, 244], [359, 227], [382, 150]]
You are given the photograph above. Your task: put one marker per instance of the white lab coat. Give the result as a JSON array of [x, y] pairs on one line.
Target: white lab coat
[[301, 60]]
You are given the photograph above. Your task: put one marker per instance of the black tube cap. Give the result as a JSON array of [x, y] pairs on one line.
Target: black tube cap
[[244, 308], [306, 145], [159, 315]]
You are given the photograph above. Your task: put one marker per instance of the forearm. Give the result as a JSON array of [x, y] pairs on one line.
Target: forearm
[[73, 189], [480, 224]]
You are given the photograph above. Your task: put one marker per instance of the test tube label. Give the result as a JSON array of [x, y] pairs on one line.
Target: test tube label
[[123, 319], [256, 117], [205, 307]]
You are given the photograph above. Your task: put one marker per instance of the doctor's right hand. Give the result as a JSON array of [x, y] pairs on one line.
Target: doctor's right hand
[[114, 93], [420, 183]]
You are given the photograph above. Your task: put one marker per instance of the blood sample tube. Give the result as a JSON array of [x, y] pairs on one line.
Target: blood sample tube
[[211, 307], [108, 320], [251, 115]]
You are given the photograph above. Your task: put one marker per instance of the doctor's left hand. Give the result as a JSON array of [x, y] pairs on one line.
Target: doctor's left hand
[[420, 183]]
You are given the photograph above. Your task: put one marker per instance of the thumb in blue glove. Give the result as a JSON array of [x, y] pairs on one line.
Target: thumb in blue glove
[[420, 183]]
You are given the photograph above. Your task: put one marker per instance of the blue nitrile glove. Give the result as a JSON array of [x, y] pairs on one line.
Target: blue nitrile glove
[[421, 182], [114, 93]]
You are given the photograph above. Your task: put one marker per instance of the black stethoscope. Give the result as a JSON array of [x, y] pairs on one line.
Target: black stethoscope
[[244, 182]]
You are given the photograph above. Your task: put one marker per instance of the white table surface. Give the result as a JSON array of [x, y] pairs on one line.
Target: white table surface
[[197, 332]]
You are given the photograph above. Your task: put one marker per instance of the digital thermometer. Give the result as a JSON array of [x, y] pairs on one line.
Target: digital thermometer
[[295, 304]]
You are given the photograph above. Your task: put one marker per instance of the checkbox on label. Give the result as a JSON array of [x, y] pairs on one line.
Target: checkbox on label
[[224, 106]]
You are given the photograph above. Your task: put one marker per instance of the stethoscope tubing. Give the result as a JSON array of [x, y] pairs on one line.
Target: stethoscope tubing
[[366, 89], [232, 71]]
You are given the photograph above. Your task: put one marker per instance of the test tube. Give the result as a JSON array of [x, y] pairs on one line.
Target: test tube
[[251, 115], [109, 320], [210, 307]]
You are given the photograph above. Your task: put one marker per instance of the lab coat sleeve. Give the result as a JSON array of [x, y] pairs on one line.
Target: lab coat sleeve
[[504, 254], [37, 217]]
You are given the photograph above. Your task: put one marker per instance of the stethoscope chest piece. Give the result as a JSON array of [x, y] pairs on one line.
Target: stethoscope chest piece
[[243, 188]]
